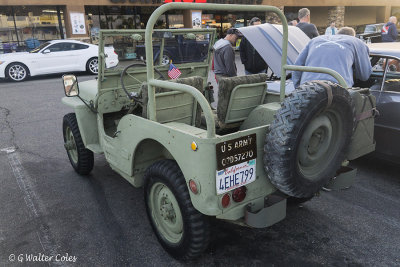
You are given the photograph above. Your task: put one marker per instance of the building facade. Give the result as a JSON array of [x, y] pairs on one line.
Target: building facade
[[25, 23]]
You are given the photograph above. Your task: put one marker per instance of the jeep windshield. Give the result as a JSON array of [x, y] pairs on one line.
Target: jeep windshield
[[179, 46]]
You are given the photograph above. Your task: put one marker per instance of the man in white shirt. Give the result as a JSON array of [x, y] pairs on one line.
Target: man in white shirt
[[331, 30]]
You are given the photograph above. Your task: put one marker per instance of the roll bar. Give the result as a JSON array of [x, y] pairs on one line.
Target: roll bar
[[199, 97]]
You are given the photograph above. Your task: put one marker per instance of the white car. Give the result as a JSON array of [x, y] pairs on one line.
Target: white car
[[55, 56]]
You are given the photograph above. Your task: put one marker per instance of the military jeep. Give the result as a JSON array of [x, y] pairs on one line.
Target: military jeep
[[241, 162]]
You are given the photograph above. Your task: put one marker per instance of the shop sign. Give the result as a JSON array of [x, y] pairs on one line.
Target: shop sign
[[196, 19], [78, 23]]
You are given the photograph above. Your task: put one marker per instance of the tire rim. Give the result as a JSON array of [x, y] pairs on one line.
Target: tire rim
[[94, 65], [165, 60], [70, 145], [319, 144], [166, 214], [17, 72]]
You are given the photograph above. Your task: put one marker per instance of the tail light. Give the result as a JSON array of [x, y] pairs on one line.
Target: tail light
[[239, 194], [193, 187], [226, 199]]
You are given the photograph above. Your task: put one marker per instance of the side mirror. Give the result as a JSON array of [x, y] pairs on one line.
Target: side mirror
[[70, 83], [47, 51]]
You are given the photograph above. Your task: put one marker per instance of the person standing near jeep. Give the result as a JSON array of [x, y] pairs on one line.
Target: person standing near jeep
[[224, 55], [389, 31], [308, 28], [342, 52], [251, 59]]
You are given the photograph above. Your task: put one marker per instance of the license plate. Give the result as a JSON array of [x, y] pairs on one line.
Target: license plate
[[236, 163]]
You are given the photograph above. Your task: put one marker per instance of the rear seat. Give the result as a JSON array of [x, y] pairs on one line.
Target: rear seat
[[237, 97]]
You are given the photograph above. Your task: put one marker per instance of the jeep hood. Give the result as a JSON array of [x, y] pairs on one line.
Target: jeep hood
[[267, 40]]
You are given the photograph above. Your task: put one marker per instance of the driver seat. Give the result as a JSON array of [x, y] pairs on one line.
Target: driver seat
[[175, 106]]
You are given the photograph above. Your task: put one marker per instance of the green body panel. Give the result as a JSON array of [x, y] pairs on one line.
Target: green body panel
[[261, 115], [362, 141], [173, 140], [87, 123]]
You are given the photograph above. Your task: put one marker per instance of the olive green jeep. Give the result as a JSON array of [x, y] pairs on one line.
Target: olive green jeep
[[241, 162]]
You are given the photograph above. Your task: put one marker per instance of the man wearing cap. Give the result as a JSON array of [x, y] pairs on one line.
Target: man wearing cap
[[224, 55], [251, 59]]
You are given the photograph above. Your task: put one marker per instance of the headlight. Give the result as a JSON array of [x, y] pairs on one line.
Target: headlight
[[1, 62]]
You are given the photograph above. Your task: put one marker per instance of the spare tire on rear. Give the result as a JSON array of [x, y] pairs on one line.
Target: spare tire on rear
[[309, 137]]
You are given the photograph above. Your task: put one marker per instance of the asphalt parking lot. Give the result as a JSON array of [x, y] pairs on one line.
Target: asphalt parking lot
[[100, 220]]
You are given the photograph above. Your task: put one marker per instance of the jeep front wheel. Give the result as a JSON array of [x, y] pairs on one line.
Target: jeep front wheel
[[81, 158], [309, 138], [179, 227]]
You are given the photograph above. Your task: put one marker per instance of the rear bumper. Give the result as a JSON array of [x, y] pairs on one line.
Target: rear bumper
[[273, 211]]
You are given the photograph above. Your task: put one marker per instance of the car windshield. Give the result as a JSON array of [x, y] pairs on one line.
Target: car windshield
[[40, 47], [370, 29]]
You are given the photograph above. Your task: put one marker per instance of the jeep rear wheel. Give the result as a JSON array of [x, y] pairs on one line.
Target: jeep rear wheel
[[179, 227], [308, 139], [81, 159]]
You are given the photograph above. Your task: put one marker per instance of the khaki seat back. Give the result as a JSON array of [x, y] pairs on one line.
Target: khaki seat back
[[175, 106], [238, 96]]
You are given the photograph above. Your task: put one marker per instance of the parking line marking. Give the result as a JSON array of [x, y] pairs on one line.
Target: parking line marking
[[35, 206], [8, 150]]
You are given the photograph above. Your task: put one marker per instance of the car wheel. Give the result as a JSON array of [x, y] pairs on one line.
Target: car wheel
[[165, 59], [17, 72], [81, 158], [92, 66], [180, 228], [309, 138]]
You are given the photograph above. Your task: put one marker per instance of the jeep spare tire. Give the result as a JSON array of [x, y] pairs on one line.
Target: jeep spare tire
[[309, 138]]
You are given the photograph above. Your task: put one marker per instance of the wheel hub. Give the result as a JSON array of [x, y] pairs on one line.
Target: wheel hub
[[70, 145], [17, 72], [167, 210], [317, 144]]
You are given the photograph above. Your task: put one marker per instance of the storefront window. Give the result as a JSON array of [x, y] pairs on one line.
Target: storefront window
[[223, 21], [25, 27], [175, 21], [8, 35], [37, 22]]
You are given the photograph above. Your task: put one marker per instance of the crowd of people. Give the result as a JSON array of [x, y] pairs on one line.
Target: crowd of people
[[337, 49]]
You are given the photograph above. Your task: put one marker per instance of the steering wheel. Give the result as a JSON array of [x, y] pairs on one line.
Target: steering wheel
[[134, 95]]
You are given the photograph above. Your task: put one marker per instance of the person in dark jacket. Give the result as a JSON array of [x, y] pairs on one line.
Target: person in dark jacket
[[389, 31], [224, 55], [251, 59], [308, 28]]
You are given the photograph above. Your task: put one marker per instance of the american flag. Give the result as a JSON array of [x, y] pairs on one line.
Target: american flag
[[173, 72]]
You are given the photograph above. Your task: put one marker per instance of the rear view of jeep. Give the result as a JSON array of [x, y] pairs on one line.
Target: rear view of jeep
[[241, 162]]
